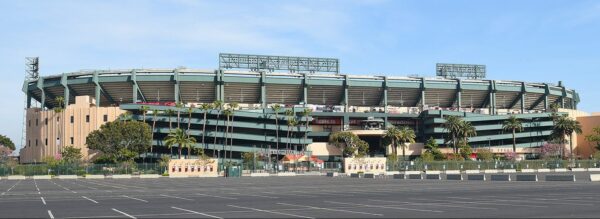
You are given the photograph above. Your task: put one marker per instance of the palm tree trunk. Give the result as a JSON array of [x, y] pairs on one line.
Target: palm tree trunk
[[226, 137], [404, 152], [215, 134], [231, 137], [152, 133], [514, 142], [203, 131]]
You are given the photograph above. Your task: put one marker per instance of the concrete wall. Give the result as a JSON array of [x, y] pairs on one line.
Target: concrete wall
[[588, 123], [193, 167], [59, 130]]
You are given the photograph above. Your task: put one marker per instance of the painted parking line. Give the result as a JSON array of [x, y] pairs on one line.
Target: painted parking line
[[50, 214], [389, 207], [330, 209], [432, 204], [253, 195], [123, 213], [43, 201], [89, 199], [494, 202], [142, 200], [195, 212], [268, 211], [17, 183], [65, 188], [215, 196], [169, 196]]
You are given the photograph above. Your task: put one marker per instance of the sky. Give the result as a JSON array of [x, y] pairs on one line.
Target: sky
[[534, 40]]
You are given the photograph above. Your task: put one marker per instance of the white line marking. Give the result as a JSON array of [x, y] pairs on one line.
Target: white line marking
[[50, 214], [433, 204], [12, 187], [142, 200], [215, 196], [262, 196], [92, 200], [123, 213], [43, 201], [195, 212], [493, 203], [377, 206], [272, 212], [168, 196], [330, 209]]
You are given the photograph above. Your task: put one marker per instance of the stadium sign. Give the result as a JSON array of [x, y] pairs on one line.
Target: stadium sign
[[454, 71]]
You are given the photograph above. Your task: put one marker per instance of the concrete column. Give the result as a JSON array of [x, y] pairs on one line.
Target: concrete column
[[63, 82], [305, 90], [40, 85], [385, 95], [263, 89], [346, 85], [97, 88], [523, 96], [423, 87], [459, 94], [134, 98], [546, 102], [176, 77]]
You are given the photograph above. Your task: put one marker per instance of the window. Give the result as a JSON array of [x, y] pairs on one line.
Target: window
[[28, 143], [87, 118], [29, 123], [72, 140], [72, 119], [46, 141], [46, 121], [58, 119], [36, 142], [106, 118], [36, 122]]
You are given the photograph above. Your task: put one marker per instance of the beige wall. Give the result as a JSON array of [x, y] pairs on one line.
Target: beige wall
[[586, 148], [193, 167], [374, 165], [60, 127]]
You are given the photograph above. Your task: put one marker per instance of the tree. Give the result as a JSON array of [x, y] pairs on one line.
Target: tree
[[513, 124], [169, 113], [466, 131], [233, 106], [227, 113], [565, 126], [392, 134], [276, 109], [144, 110], [178, 138], [432, 147], [350, 143], [453, 126], [178, 107], [164, 162], [306, 115], [594, 137], [218, 106], [550, 151], [485, 155], [406, 135], [205, 107], [427, 156], [465, 151], [117, 135], [71, 154], [289, 113], [4, 140], [154, 114], [190, 110]]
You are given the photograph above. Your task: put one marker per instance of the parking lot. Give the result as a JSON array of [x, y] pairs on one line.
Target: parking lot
[[294, 197]]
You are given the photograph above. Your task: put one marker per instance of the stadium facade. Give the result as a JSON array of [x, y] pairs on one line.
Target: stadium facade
[[340, 102]]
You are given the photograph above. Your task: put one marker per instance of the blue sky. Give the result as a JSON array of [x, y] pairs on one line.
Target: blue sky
[[534, 41]]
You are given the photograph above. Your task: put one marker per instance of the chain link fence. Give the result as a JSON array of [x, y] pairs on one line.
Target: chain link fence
[[81, 169], [499, 165]]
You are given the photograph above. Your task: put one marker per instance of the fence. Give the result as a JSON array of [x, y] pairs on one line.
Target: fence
[[481, 165], [80, 169]]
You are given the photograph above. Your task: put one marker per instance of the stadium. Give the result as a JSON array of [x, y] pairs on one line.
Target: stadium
[[364, 105]]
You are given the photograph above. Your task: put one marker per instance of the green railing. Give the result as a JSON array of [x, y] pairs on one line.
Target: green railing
[[80, 169], [482, 165]]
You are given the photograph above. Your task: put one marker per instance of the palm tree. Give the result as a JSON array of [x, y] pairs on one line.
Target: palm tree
[[233, 106], [144, 110], [178, 106], [205, 108], [305, 114], [227, 113], [288, 113], [452, 125], [565, 126], [276, 109], [218, 105], [190, 110], [170, 114], [58, 109], [154, 114], [513, 124], [179, 138], [392, 134], [466, 131], [405, 135]]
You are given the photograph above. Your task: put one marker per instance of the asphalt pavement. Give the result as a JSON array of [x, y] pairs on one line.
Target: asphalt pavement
[[295, 197]]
